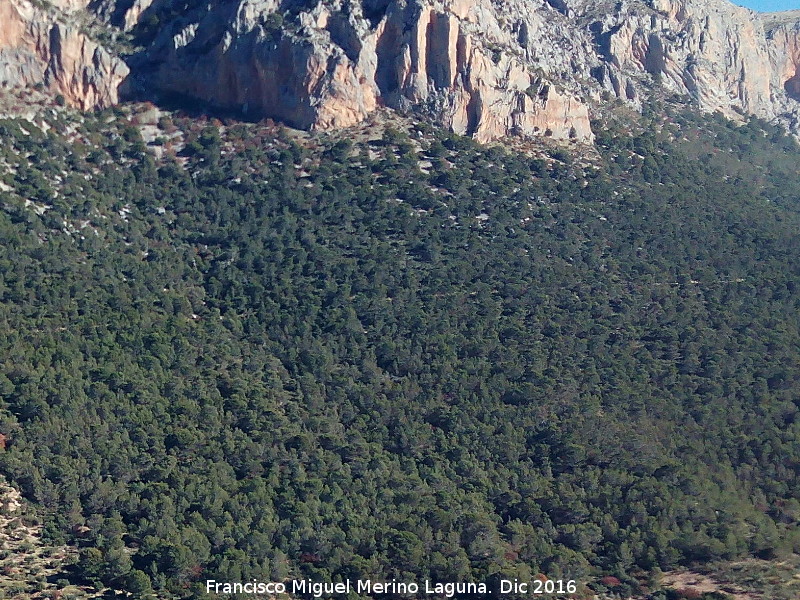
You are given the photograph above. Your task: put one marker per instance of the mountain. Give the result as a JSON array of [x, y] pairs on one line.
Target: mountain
[[380, 349], [482, 68]]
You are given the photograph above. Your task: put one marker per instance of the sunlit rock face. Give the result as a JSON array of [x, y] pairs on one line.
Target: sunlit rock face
[[483, 68], [38, 46], [711, 50], [323, 65], [725, 57], [479, 67]]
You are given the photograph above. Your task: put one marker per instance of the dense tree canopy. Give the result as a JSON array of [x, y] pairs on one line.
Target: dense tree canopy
[[414, 357]]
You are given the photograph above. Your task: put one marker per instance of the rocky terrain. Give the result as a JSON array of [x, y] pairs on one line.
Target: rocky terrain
[[479, 67], [45, 43], [28, 567]]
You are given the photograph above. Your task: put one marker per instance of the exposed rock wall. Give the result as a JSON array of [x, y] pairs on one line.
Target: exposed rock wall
[[783, 43], [124, 14], [483, 68], [712, 50], [37, 47], [445, 59], [480, 67]]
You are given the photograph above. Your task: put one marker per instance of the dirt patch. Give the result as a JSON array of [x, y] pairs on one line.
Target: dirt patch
[[691, 580], [29, 568]]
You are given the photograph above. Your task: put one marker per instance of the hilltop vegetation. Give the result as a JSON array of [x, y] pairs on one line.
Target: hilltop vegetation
[[412, 357]]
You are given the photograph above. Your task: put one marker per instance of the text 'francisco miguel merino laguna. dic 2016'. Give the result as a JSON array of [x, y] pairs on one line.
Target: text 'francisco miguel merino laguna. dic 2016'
[[318, 589], [367, 587]]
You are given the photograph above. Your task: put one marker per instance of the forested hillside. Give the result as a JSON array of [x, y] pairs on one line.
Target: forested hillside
[[411, 357]]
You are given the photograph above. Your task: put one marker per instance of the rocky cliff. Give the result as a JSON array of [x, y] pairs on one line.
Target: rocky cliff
[[724, 57], [41, 44], [332, 64], [484, 68], [480, 67]]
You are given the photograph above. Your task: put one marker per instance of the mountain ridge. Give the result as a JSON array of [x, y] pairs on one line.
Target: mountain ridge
[[485, 69]]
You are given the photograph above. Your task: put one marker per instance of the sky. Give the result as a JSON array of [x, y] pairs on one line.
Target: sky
[[769, 5]]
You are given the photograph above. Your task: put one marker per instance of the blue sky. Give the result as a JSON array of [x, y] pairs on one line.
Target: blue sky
[[769, 5]]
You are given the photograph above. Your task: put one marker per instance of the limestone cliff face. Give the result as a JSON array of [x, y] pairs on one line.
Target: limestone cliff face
[[456, 64], [338, 61], [37, 46], [711, 50], [727, 58], [479, 67]]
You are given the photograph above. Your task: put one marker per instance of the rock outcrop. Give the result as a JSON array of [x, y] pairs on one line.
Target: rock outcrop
[[724, 57], [336, 62], [483, 68], [480, 67], [38, 46], [124, 14], [712, 51]]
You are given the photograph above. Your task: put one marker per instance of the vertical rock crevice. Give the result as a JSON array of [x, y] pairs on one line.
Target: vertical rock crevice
[[441, 41], [388, 54]]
